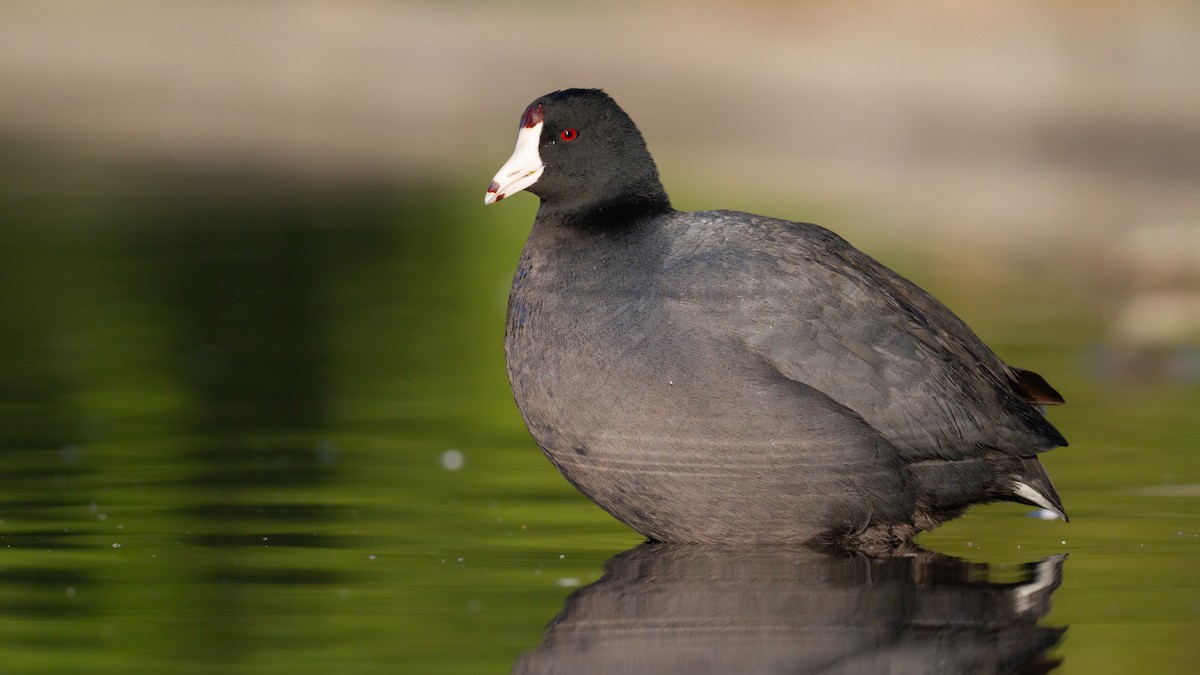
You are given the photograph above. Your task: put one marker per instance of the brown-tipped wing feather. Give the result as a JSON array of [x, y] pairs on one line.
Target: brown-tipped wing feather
[[1033, 387]]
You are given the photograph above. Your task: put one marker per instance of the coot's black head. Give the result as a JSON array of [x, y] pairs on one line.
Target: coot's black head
[[579, 152]]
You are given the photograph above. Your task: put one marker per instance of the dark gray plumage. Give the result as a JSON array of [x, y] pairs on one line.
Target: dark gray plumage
[[726, 377]]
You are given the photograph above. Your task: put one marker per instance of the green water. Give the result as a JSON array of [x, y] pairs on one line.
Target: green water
[[262, 426]]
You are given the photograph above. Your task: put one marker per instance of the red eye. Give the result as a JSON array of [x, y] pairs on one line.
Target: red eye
[[569, 135]]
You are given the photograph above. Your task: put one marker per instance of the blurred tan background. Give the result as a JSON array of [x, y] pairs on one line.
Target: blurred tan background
[[1071, 127], [983, 111]]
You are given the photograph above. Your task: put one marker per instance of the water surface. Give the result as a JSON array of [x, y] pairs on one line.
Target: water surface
[[262, 426]]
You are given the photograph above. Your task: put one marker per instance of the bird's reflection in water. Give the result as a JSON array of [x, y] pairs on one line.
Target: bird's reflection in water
[[663, 608]]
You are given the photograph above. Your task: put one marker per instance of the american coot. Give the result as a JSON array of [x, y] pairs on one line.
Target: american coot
[[723, 377]]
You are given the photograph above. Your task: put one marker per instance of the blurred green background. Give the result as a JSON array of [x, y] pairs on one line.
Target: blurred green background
[[253, 410]]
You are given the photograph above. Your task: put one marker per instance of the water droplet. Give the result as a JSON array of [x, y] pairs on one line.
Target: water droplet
[[452, 460]]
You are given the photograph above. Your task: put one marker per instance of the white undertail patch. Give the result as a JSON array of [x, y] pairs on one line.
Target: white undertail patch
[[1025, 491]]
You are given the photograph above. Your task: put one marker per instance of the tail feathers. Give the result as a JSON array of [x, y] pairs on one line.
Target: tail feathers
[[1032, 485]]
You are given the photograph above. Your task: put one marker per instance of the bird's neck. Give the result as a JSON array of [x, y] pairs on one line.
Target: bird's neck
[[621, 213]]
